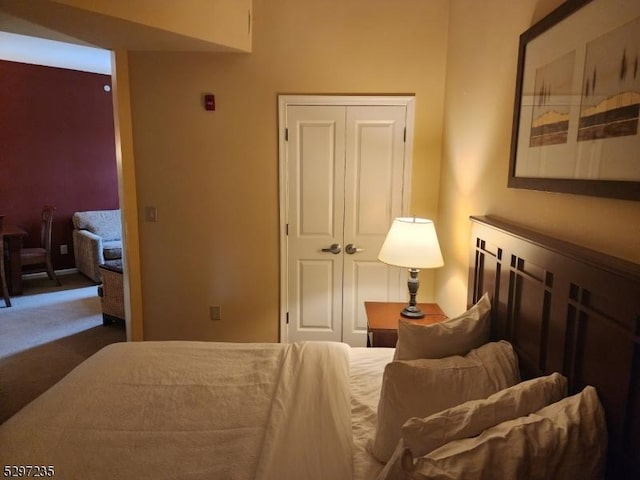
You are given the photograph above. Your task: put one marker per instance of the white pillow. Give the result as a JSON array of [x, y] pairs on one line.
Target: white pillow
[[419, 388], [567, 439], [422, 435], [455, 336]]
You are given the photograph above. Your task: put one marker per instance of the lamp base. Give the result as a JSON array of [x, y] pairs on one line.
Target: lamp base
[[412, 312]]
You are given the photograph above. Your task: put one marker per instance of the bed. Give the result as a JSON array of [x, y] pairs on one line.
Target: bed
[[187, 410]]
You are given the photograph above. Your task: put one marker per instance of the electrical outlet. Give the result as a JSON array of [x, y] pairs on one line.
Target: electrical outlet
[[151, 214], [64, 250], [215, 312]]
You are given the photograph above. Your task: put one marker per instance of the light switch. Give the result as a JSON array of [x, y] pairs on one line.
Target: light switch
[[151, 214], [215, 312]]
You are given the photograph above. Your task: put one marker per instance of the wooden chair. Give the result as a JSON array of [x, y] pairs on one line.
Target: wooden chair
[[41, 256], [3, 277]]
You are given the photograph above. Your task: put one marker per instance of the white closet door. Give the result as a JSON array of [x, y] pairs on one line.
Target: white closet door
[[343, 180], [316, 155], [373, 198]]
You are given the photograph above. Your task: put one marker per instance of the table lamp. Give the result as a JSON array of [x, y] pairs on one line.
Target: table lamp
[[412, 243]]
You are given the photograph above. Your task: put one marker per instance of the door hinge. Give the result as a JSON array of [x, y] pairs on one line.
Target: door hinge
[[287, 318], [404, 139], [286, 230], [286, 134]]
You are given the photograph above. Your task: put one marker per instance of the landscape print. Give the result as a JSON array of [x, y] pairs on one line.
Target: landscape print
[[550, 114], [611, 86]]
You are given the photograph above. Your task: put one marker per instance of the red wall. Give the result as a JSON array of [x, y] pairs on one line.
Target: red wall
[[56, 147]]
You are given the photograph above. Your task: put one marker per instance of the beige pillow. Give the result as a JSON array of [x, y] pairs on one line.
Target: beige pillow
[[455, 336], [422, 435], [419, 388], [567, 439]]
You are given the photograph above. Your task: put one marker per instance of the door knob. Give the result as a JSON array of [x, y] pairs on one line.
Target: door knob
[[351, 249], [334, 248]]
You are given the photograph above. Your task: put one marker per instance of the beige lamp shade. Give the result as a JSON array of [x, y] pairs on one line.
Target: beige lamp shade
[[411, 243]]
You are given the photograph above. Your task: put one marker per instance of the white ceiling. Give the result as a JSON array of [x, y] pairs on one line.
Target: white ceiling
[[51, 53]]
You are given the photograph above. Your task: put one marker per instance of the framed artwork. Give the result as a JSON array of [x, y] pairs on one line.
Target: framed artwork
[[575, 123]]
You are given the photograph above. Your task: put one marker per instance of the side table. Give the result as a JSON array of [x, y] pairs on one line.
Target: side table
[[111, 291], [383, 317]]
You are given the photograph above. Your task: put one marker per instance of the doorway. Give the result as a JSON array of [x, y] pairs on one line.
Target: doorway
[[63, 151], [345, 171]]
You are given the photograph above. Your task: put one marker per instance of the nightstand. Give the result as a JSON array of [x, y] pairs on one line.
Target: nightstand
[[383, 317]]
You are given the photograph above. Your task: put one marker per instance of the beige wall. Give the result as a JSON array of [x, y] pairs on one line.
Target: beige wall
[[480, 86], [214, 175], [223, 22], [140, 25]]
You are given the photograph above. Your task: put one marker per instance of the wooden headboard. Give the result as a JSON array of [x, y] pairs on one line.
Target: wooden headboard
[[571, 310]]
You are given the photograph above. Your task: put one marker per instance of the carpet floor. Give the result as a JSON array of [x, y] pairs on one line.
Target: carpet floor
[[45, 334]]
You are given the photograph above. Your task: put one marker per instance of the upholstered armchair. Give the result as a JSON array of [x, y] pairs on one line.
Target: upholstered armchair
[[97, 239]]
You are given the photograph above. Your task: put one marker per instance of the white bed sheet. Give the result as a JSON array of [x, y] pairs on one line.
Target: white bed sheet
[[99, 422], [366, 369], [192, 410]]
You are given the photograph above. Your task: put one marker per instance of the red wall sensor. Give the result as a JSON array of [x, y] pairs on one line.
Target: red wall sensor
[[209, 101]]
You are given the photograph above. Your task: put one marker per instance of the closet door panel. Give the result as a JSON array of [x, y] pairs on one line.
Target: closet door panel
[[373, 198], [315, 167]]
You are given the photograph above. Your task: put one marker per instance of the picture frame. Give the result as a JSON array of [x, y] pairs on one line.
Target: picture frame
[[575, 123]]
